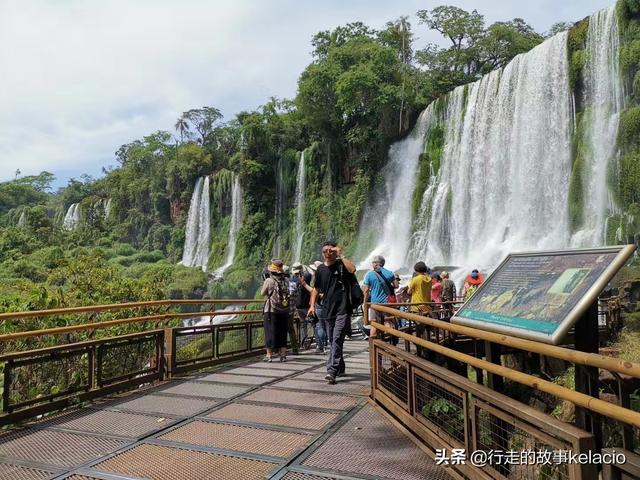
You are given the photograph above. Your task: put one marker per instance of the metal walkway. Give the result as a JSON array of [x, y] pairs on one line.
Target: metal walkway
[[245, 420]]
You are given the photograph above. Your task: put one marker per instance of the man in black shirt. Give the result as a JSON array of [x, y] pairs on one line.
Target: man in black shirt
[[332, 280]]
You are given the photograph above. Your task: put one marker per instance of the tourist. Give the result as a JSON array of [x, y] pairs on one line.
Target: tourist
[[334, 279], [420, 289], [301, 281], [448, 288], [471, 284], [292, 324], [379, 287], [276, 311], [320, 328], [436, 288]]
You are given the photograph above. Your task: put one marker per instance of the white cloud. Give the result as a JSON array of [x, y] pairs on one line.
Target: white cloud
[[79, 78]]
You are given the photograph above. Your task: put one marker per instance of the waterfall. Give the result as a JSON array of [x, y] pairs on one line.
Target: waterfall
[[281, 194], [603, 101], [22, 221], [236, 223], [503, 180], [300, 192], [107, 208], [388, 215], [72, 217], [198, 230]]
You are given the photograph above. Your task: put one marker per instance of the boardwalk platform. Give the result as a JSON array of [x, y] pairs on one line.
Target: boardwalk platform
[[244, 420]]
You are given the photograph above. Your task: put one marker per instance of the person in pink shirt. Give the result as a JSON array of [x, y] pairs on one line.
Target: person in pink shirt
[[436, 289]]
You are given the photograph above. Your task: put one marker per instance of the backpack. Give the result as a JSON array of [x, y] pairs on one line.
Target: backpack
[[354, 292], [281, 297]]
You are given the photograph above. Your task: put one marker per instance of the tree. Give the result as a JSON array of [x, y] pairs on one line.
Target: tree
[[182, 127], [203, 120], [558, 27]]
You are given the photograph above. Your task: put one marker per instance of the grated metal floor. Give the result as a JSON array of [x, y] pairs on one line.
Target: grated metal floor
[[246, 420]]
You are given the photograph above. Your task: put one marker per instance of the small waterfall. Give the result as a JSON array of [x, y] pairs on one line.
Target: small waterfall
[[603, 101], [107, 208], [392, 232], [300, 192], [72, 217], [22, 221], [236, 223], [198, 230], [281, 196], [505, 166]]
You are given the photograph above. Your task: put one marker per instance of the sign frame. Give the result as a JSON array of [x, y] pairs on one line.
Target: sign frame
[[623, 252]]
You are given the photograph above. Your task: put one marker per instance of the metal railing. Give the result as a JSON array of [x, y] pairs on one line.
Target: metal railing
[[433, 395], [42, 380]]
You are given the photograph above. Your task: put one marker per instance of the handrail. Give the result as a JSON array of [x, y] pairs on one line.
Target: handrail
[[580, 399], [590, 359], [121, 306], [124, 321]]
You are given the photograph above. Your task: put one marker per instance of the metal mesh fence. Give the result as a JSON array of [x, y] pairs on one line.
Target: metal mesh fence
[[257, 336], [123, 358], [392, 376], [48, 377], [232, 340], [532, 457], [441, 408], [194, 346]]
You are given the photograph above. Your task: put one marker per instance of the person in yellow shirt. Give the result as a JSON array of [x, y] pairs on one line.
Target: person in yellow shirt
[[420, 288]]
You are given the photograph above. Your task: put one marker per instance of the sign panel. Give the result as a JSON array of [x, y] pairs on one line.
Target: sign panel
[[540, 295]]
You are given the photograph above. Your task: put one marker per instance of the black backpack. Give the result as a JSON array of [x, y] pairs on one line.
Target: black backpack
[[350, 282]]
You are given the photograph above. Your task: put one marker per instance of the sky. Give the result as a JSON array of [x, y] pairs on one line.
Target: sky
[[80, 78]]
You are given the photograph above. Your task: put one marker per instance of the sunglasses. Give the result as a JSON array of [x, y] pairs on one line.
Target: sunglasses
[[328, 251]]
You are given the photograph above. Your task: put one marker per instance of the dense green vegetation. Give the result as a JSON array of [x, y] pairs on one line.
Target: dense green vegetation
[[362, 91]]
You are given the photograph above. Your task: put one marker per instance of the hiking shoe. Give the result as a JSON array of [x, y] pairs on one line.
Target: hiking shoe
[[330, 378], [268, 359]]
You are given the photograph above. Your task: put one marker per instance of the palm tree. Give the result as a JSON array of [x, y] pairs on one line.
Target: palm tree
[[182, 127]]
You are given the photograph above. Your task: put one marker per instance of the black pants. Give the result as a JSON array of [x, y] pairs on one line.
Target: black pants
[[336, 331]]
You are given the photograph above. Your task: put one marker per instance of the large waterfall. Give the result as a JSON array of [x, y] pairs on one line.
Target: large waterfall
[[236, 223], [388, 219], [300, 192], [198, 230], [503, 181], [602, 100], [72, 217]]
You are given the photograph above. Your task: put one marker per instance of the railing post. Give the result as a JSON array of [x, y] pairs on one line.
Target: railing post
[[169, 351], [6, 392], [91, 377]]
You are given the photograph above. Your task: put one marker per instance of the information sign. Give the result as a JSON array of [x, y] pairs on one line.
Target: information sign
[[540, 295]]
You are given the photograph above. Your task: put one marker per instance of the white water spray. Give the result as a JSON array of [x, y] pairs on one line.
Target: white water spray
[[198, 230], [300, 191], [72, 217], [603, 101], [234, 228]]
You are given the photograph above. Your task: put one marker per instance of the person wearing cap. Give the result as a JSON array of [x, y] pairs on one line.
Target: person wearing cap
[[471, 284], [292, 327], [276, 310], [300, 296], [320, 329], [379, 287]]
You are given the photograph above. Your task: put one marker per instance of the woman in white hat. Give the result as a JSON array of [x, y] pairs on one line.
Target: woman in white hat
[[276, 311]]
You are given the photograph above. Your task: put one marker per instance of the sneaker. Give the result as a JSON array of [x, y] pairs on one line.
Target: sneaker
[[330, 378], [268, 359]]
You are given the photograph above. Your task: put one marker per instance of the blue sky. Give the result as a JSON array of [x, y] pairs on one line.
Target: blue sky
[[80, 78]]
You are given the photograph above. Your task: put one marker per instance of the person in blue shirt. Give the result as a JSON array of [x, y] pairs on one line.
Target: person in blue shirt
[[379, 287]]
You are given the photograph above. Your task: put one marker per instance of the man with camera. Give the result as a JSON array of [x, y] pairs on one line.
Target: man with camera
[[335, 280]]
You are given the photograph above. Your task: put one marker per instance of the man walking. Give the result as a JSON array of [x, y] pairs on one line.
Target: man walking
[[334, 279]]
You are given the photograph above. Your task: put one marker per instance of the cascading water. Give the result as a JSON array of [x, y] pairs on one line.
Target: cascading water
[[72, 217], [22, 221], [392, 234], [300, 191], [505, 166], [236, 223], [603, 101], [280, 201], [198, 230], [107, 208]]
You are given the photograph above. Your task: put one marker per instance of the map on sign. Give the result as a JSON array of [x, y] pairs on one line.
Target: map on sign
[[541, 295]]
